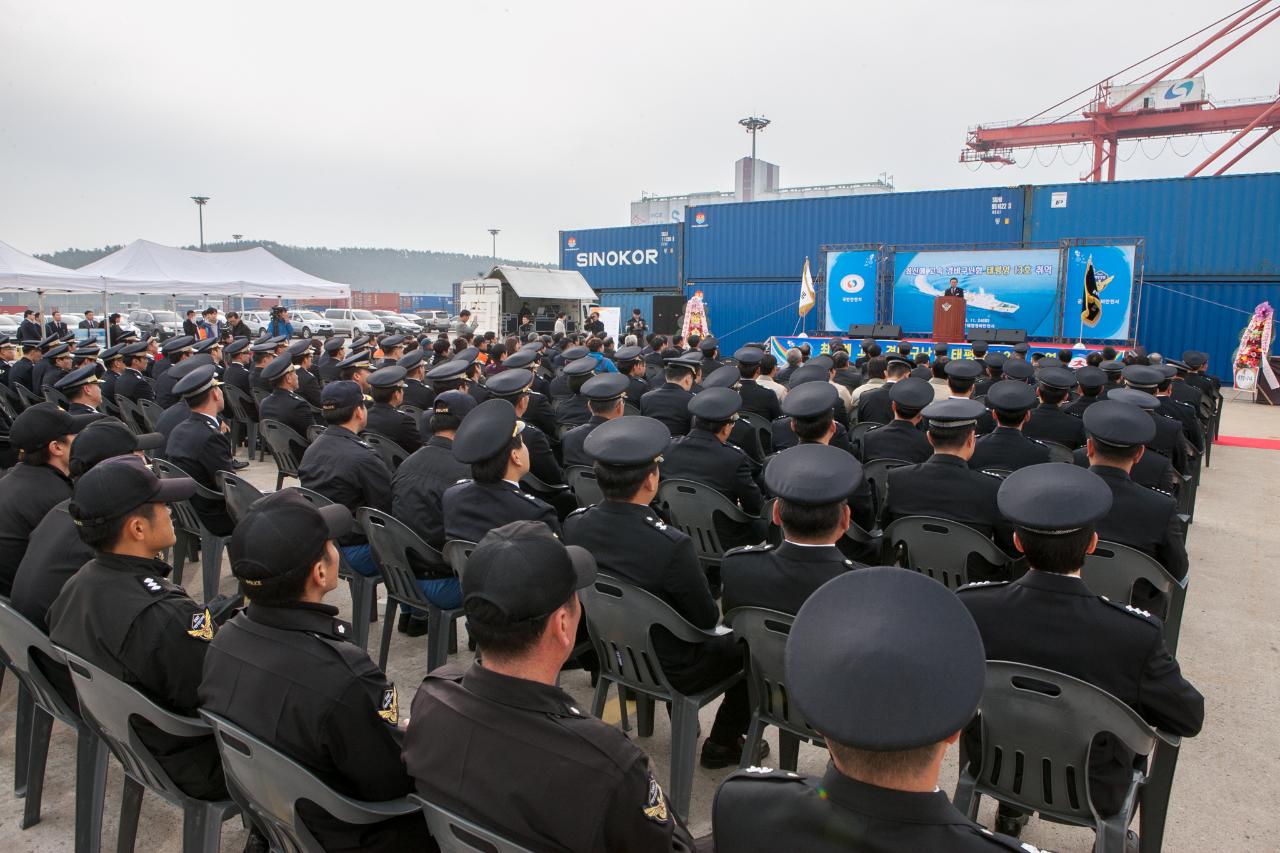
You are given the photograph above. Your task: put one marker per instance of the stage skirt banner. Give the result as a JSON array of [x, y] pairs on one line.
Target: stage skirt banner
[[851, 289], [779, 344], [1099, 295]]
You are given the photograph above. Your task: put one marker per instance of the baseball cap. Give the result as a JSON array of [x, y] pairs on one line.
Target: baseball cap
[[283, 535], [105, 438], [120, 485], [45, 422], [525, 572]]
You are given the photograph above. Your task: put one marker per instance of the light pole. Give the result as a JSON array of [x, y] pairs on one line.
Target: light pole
[[754, 124], [237, 237], [493, 232], [200, 201]]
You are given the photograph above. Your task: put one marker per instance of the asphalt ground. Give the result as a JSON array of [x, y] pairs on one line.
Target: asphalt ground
[[1224, 793]]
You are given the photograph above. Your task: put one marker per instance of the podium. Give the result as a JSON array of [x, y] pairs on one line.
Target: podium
[[948, 319]]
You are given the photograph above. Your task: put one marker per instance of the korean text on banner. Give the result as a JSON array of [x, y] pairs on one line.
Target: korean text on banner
[[851, 289]]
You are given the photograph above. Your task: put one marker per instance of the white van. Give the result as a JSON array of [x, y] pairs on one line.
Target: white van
[[353, 321]]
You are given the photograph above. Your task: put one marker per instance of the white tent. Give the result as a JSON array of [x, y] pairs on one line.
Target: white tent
[[19, 272]]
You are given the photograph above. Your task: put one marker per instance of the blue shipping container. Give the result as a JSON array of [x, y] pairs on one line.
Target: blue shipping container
[[743, 311], [769, 240], [426, 301], [1204, 315], [629, 258], [1193, 227], [626, 300]]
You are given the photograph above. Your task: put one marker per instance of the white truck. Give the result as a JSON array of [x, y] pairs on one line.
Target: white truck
[[497, 300]]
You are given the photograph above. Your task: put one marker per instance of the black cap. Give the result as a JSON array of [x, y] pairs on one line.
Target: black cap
[[995, 359], [388, 377], [1195, 359], [278, 367], [1178, 366], [87, 375], [536, 346], [979, 347], [236, 346], [335, 343], [606, 386], [1054, 498], [112, 353], [412, 360], [1141, 376], [1021, 347], [574, 353], [911, 393], [360, 342], [42, 423], [1167, 370], [1110, 367], [897, 358], [626, 442], [134, 348], [1117, 424], [963, 368], [923, 373], [1057, 378], [90, 350], [178, 344], [487, 431], [391, 341], [105, 438], [523, 571], [197, 381], [1133, 397], [726, 377], [823, 361], [708, 344], [263, 346], [284, 535], [689, 361], [341, 394], [630, 353], [520, 358], [953, 413], [884, 659], [715, 404], [206, 344], [1011, 396], [581, 367], [120, 485], [456, 403], [58, 352], [813, 474], [808, 373], [447, 371], [49, 340], [809, 400], [1018, 370], [299, 349], [1090, 377], [361, 359], [468, 355], [510, 383]]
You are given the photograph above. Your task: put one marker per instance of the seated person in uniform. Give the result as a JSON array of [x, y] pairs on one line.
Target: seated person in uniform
[[286, 671], [889, 667], [572, 411], [1006, 448], [962, 374], [1049, 421], [873, 404], [901, 438], [513, 386], [501, 745], [605, 399], [812, 484], [1152, 469], [755, 397], [630, 541], [284, 404], [1050, 618], [356, 368], [670, 403], [1090, 379], [386, 387], [489, 441], [199, 445]]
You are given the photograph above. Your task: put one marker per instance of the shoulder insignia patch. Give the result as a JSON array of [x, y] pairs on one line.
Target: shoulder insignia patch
[[760, 770], [201, 625], [579, 511], [151, 585], [977, 584], [655, 807], [658, 523], [389, 710]]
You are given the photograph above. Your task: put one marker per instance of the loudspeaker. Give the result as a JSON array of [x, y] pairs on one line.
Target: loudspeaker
[[667, 311], [1011, 336], [888, 330], [862, 330], [985, 335]]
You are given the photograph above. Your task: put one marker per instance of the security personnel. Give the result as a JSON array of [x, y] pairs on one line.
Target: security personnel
[[670, 403], [263, 352], [23, 370], [356, 368], [538, 412], [812, 484], [41, 364], [448, 376], [1006, 448], [1186, 413], [392, 348], [236, 372], [122, 614], [513, 386], [743, 436], [503, 732], [113, 361], [1114, 371], [82, 389], [490, 441], [888, 666], [286, 671], [1050, 618], [944, 486], [133, 384], [1171, 450], [755, 397], [710, 350], [470, 360], [962, 374], [180, 411], [901, 438], [1049, 421], [993, 362], [605, 394], [1153, 381], [560, 385], [416, 392], [1140, 517], [810, 417], [1091, 381], [630, 541], [1207, 385], [572, 411], [333, 353], [1179, 389], [56, 364], [175, 351], [875, 406], [7, 355], [200, 447], [308, 385], [284, 404], [631, 365], [386, 387]]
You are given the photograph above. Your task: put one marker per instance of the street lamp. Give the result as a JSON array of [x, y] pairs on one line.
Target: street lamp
[[754, 124], [200, 201], [237, 237], [493, 232]]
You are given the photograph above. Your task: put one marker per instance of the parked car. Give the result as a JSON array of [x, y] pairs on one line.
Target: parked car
[[9, 324], [435, 321], [158, 324], [354, 321], [257, 321], [309, 324], [399, 323]]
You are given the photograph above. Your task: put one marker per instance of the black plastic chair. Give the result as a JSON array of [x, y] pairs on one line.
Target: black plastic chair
[[1037, 729], [763, 428], [364, 588], [620, 620], [110, 706], [765, 632], [150, 411], [271, 784], [582, 480], [131, 415], [29, 398], [315, 431], [392, 454], [1113, 570], [53, 395], [940, 548], [7, 409], [456, 553], [876, 473], [286, 448], [243, 419], [857, 431], [192, 533], [395, 549], [39, 704], [693, 508], [1058, 452], [456, 834], [238, 493]]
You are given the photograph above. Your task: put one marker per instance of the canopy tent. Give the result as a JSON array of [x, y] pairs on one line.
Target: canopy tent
[[19, 272], [538, 283]]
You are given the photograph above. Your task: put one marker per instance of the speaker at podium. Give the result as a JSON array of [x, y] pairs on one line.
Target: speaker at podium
[[948, 318]]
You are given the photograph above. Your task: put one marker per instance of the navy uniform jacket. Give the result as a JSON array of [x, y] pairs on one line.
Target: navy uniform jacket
[[418, 395], [1154, 470], [542, 461], [1144, 519], [289, 409], [328, 368], [121, 614], [1185, 416], [200, 448], [944, 486], [171, 417], [55, 554], [39, 372], [669, 404], [1051, 423], [347, 471], [109, 380], [472, 509], [703, 458], [134, 386], [1081, 403], [778, 577], [418, 488], [539, 413], [1185, 392], [1007, 449], [237, 375], [762, 809], [256, 382], [631, 542], [897, 439], [559, 387], [308, 387], [1171, 442], [1202, 383], [478, 738], [572, 441], [21, 373], [27, 493], [395, 425], [710, 366], [573, 411], [875, 405], [164, 389], [784, 436], [290, 675], [1058, 623], [759, 399], [636, 388]]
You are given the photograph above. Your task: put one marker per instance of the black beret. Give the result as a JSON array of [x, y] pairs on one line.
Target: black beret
[[628, 441], [1058, 378], [606, 386], [178, 344], [277, 367], [630, 353], [912, 393], [487, 431], [1118, 424], [1011, 396], [1133, 397], [580, 367], [521, 358], [1142, 376], [197, 381], [1054, 498], [335, 343], [813, 474], [809, 400], [963, 368], [387, 377], [509, 383], [411, 360], [954, 412], [1018, 370], [234, 347], [87, 375], [363, 359], [715, 404], [446, 371], [885, 659]]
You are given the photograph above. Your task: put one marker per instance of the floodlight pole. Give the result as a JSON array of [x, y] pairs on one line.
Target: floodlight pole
[[200, 201], [493, 232], [754, 124]]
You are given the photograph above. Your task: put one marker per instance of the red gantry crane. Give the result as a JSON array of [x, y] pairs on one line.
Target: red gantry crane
[[1156, 105]]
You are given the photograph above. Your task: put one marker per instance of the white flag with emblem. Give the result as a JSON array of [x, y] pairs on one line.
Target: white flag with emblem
[[808, 297]]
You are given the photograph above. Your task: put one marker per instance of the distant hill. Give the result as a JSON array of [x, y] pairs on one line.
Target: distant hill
[[400, 270]]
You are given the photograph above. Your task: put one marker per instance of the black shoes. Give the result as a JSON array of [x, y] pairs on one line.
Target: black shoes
[[1009, 822], [719, 755], [412, 626], [239, 464]]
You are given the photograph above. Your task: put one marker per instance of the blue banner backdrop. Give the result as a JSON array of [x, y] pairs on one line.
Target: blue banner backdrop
[[851, 289], [1110, 295]]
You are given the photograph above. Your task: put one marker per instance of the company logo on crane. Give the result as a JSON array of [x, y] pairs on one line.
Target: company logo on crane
[[1180, 90]]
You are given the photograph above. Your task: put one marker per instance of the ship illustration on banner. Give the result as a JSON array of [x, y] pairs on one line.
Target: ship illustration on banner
[[973, 298]]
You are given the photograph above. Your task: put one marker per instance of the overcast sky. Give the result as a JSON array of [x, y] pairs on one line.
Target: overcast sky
[[421, 124]]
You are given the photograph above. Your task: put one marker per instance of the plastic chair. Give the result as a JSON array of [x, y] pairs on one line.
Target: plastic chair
[[238, 493], [456, 553], [192, 531], [109, 706], [940, 548], [271, 784], [364, 588], [693, 508], [1113, 570], [857, 431], [286, 448], [244, 419], [395, 548], [392, 454], [582, 480], [762, 427], [150, 411], [131, 415], [53, 395], [765, 632], [315, 431], [39, 704], [620, 620], [456, 834], [1037, 728], [7, 410], [876, 473], [29, 398], [1058, 452]]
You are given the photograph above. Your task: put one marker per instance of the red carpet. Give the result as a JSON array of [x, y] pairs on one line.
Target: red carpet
[[1256, 443]]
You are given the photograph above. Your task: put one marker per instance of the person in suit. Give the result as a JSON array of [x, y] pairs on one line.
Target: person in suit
[[953, 288], [901, 438], [1006, 448], [1049, 421], [386, 386], [32, 327], [56, 325], [670, 403]]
